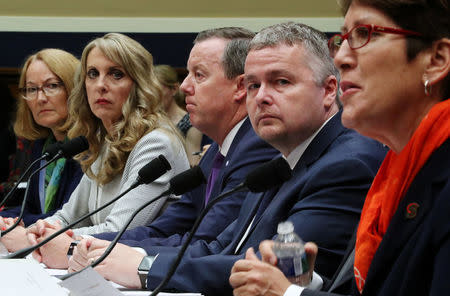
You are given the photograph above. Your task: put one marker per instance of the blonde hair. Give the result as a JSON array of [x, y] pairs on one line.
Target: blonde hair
[[63, 65], [141, 112]]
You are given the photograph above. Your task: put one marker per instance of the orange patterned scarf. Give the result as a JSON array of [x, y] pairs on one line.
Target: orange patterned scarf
[[391, 183]]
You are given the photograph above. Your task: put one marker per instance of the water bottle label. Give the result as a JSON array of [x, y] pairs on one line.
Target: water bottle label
[[293, 266]]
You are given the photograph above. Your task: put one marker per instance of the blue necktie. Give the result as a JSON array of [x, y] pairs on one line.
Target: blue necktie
[[217, 164]]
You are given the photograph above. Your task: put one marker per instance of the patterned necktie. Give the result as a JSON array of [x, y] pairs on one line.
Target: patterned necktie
[[217, 164]]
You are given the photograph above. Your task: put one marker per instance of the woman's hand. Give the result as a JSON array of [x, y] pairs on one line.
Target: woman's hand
[[54, 253], [16, 239]]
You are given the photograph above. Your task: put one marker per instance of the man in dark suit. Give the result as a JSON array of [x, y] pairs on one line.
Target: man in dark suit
[[291, 87], [216, 104]]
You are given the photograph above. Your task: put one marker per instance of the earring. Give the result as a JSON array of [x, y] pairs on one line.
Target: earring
[[427, 85]]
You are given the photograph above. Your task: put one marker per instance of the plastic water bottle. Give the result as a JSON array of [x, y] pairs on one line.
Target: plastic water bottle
[[290, 252]]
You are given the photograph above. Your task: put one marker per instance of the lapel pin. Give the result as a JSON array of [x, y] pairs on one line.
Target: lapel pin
[[411, 210]]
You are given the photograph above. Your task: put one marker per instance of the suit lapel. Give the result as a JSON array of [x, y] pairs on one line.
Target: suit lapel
[[228, 161], [239, 135], [207, 159], [286, 196], [315, 149], [322, 140], [248, 211]]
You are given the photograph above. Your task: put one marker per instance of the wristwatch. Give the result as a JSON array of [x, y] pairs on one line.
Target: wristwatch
[[144, 268], [71, 247]]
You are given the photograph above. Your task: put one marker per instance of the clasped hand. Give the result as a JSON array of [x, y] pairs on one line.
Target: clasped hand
[[54, 253], [15, 239], [252, 276], [120, 266]]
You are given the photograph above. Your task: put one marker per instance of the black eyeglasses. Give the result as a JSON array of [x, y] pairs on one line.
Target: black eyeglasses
[[49, 89], [360, 35]]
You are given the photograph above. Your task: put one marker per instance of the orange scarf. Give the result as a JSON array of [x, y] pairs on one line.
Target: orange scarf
[[391, 183]]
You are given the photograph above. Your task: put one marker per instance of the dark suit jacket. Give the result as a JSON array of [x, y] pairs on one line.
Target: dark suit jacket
[[172, 227], [323, 199], [70, 178], [414, 255]]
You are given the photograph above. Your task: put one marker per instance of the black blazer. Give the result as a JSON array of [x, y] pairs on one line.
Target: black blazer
[[323, 199], [414, 255]]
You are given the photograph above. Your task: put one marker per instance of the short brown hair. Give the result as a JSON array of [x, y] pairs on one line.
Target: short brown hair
[[233, 59], [228, 33]]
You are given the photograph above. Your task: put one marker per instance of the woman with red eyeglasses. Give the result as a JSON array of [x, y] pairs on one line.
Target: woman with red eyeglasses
[[394, 61]]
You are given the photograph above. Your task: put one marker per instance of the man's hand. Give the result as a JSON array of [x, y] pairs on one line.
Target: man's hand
[[267, 254], [252, 276], [120, 266], [80, 259]]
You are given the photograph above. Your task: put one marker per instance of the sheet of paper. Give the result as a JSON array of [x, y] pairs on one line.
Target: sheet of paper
[[27, 277], [89, 283], [122, 289]]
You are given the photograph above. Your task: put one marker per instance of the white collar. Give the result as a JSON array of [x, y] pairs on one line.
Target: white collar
[[297, 153], [230, 137]]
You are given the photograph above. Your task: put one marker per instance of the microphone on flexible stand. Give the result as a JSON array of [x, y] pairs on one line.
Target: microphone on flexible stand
[[181, 183], [73, 147], [262, 178], [67, 150], [48, 154], [147, 174]]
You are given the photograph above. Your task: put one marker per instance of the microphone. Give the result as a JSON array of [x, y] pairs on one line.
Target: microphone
[[147, 174], [67, 150], [262, 178], [52, 150], [267, 175], [72, 147], [153, 170], [49, 153], [181, 183], [186, 181]]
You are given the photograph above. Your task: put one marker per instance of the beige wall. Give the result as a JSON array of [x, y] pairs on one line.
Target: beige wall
[[171, 8], [163, 16]]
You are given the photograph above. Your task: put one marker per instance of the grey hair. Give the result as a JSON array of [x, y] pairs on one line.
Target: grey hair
[[314, 41], [234, 56]]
